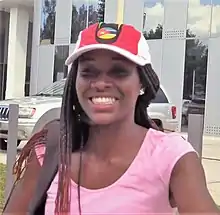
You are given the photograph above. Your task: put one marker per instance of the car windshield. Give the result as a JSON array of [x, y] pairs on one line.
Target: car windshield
[[160, 97], [55, 90]]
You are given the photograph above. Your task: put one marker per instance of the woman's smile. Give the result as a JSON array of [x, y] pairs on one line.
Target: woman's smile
[[103, 100], [103, 103]]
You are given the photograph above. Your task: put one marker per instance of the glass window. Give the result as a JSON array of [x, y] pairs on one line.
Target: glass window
[[79, 18], [215, 27], [48, 15], [4, 31], [199, 18], [160, 97], [85, 13], [28, 63], [3, 79], [27, 81], [96, 11], [195, 73], [153, 19], [60, 69]]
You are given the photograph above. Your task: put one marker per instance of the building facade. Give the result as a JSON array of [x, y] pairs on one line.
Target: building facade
[[16, 21], [183, 35]]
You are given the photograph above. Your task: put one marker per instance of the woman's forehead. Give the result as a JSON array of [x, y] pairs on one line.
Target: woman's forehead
[[101, 54]]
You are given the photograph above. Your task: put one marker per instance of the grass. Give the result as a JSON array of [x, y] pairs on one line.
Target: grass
[[2, 184]]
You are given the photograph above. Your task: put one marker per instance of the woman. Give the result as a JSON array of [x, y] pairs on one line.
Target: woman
[[111, 160]]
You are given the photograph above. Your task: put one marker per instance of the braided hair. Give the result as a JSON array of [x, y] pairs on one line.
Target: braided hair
[[74, 131]]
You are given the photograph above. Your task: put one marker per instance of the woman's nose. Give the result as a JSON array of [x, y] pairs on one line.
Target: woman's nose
[[101, 84]]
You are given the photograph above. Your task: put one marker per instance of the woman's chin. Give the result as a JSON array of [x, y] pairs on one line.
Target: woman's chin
[[102, 119]]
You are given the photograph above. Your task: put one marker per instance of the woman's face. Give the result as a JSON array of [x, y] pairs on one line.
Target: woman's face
[[107, 86]]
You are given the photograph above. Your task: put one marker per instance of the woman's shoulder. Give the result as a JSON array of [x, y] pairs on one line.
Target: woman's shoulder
[[172, 141], [165, 150]]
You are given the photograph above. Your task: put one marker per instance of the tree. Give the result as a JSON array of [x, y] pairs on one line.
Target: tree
[[101, 10], [154, 34], [48, 28], [75, 27], [79, 21], [157, 33], [93, 15], [196, 56], [79, 17]]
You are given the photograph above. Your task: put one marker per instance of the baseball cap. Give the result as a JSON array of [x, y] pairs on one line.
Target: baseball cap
[[120, 38]]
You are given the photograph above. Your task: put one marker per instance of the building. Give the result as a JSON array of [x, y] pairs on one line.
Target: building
[[15, 46], [183, 35]]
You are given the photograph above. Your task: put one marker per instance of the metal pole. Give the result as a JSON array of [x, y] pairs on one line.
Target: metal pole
[[195, 131], [11, 146], [193, 84], [87, 15]]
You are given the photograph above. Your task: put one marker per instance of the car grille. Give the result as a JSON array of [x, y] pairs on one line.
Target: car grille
[[4, 113]]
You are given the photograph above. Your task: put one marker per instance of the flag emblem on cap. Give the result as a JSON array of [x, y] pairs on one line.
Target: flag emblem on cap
[[106, 33]]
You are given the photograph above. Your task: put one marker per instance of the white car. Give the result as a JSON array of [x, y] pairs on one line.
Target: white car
[[163, 112], [31, 108]]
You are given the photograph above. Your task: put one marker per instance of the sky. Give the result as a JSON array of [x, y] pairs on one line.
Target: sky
[[199, 16]]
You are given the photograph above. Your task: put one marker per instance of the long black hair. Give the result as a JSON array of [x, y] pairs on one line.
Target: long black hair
[[74, 132]]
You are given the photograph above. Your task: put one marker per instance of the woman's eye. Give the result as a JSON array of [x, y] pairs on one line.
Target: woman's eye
[[120, 72], [87, 73]]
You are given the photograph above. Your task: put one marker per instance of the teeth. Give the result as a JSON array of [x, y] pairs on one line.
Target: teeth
[[103, 100]]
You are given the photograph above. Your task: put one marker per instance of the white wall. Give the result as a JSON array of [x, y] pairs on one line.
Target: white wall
[[35, 47], [45, 67], [17, 52], [63, 22], [212, 105], [173, 54], [155, 48]]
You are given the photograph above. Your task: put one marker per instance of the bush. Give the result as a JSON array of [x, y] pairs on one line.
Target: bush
[[2, 184]]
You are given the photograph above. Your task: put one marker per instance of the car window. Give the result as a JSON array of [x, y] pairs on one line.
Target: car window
[[56, 89], [160, 97]]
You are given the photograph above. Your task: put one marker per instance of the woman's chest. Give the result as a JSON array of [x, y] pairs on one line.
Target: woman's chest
[[132, 195], [96, 174]]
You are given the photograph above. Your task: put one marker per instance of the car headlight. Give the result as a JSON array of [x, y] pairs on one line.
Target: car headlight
[[26, 112]]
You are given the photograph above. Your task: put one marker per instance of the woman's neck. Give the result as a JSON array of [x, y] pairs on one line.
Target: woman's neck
[[113, 140]]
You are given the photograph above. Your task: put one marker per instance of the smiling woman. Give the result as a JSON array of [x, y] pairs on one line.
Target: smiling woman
[[105, 155]]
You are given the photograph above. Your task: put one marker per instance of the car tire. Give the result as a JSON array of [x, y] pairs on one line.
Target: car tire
[[184, 120], [3, 145]]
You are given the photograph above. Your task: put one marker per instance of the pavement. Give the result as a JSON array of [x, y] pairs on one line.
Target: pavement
[[210, 161], [211, 164]]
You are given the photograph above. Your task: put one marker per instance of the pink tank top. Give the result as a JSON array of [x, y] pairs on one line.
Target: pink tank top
[[142, 189]]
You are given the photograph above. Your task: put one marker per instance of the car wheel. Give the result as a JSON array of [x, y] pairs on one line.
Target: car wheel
[[184, 120], [3, 145]]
